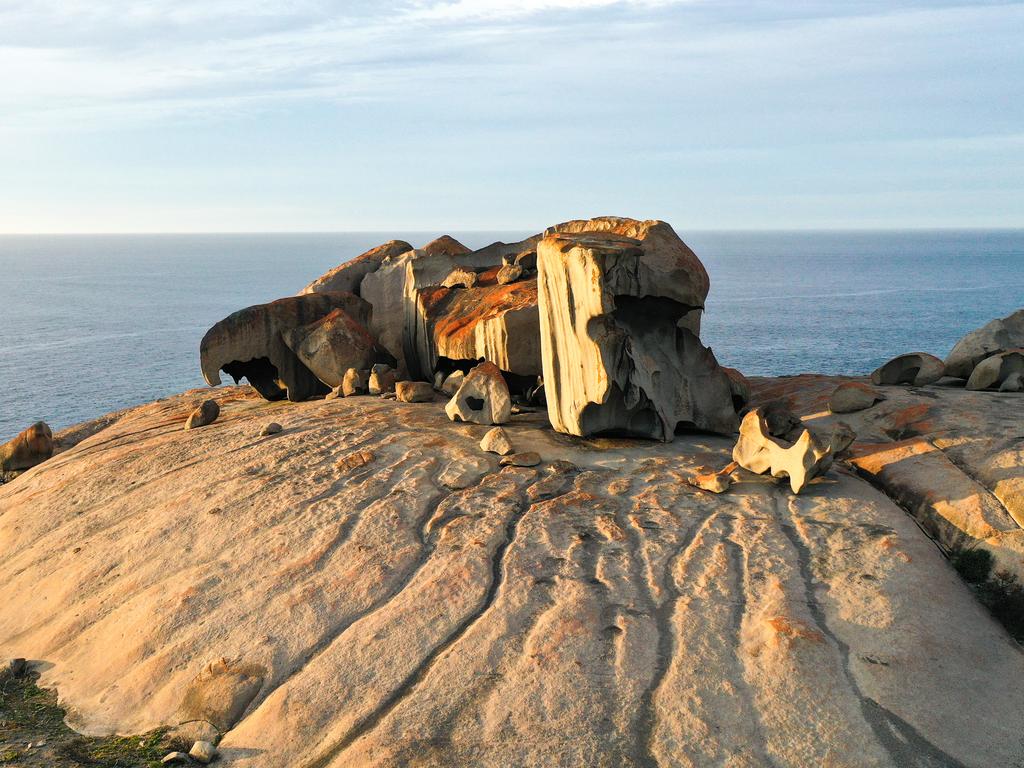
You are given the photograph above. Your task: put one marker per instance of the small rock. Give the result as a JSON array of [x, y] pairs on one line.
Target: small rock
[[483, 397], [17, 667], [451, 384], [382, 379], [414, 391], [334, 394], [460, 277], [205, 414], [355, 460], [509, 274], [174, 757], [496, 441], [853, 396], [916, 368], [561, 467], [203, 751], [438, 380], [524, 459], [270, 429], [355, 382], [715, 482]]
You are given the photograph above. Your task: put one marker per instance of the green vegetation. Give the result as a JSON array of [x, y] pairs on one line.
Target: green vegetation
[[30, 715]]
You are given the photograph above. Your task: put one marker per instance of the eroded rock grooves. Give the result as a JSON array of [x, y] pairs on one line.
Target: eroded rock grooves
[[406, 602]]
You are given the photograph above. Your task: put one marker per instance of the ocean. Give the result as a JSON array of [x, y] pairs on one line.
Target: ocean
[[94, 323]]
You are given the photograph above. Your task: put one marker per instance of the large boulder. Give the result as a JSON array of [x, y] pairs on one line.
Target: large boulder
[[758, 451], [249, 343], [333, 344], [916, 368], [31, 446], [996, 336], [349, 276], [992, 372], [491, 322], [618, 319]]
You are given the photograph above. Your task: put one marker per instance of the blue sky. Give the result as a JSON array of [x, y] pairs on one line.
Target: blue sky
[[193, 115]]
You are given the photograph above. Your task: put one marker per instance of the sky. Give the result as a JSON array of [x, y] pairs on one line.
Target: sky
[[374, 115]]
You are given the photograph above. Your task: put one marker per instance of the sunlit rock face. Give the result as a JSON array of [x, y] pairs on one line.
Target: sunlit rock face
[[490, 321], [349, 276], [994, 337], [620, 311], [249, 344], [333, 344], [993, 372]]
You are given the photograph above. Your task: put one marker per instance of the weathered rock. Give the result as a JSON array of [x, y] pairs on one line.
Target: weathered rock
[[452, 382], [204, 415], [739, 386], [460, 277], [273, 428], [781, 420], [617, 320], [498, 323], [355, 382], [445, 245], [917, 368], [496, 441], [382, 380], [715, 482], [509, 274], [1013, 383], [249, 343], [994, 337], [991, 372], [17, 667], [515, 620], [30, 447], [757, 451], [853, 396], [333, 344], [349, 276], [203, 752], [483, 397], [220, 694], [414, 391], [175, 758], [524, 459]]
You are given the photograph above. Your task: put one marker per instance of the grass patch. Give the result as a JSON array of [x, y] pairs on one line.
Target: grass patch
[[30, 714]]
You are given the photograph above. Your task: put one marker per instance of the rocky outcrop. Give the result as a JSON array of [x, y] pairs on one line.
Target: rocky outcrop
[[333, 344], [618, 323], [993, 371], [250, 344], [497, 323], [32, 446], [411, 604], [994, 337], [758, 451], [349, 276], [916, 368]]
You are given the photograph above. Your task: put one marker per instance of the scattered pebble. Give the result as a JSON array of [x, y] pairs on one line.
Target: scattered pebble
[[206, 413], [270, 429], [524, 459], [496, 441]]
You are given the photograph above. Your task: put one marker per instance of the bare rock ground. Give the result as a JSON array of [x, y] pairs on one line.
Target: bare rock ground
[[403, 601]]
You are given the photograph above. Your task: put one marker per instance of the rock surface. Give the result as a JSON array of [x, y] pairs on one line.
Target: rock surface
[[618, 324], [249, 344], [417, 606], [349, 276], [996, 336]]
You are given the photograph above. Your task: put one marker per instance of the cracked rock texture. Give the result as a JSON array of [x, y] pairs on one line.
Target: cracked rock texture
[[367, 588]]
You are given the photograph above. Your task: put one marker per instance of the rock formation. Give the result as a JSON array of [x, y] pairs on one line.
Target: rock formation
[[482, 398], [249, 344], [853, 396], [619, 318], [331, 345], [996, 336], [917, 368], [414, 391], [349, 276], [33, 445], [411, 604], [993, 371], [758, 451]]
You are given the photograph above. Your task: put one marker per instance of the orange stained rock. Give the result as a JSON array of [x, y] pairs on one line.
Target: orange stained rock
[[795, 629]]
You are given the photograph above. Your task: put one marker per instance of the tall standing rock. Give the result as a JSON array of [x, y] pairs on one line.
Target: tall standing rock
[[619, 317]]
